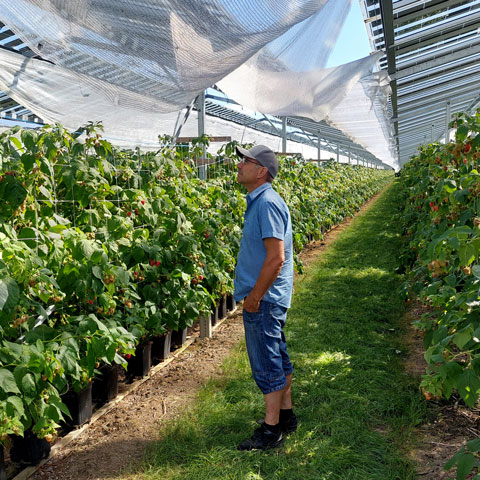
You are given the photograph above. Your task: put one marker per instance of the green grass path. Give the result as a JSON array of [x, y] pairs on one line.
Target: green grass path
[[355, 405]]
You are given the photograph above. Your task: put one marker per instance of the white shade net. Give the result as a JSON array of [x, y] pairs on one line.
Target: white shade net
[[128, 63], [165, 49], [278, 80], [363, 116]]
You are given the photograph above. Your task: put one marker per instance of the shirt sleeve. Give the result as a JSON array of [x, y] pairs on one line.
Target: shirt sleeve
[[273, 221]]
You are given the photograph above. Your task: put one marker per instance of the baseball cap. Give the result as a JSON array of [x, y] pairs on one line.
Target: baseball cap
[[263, 155]]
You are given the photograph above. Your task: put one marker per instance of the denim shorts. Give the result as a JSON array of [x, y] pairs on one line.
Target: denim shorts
[[266, 346]]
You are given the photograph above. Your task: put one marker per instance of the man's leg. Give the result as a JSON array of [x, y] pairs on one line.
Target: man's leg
[[273, 403], [281, 399], [262, 335], [287, 394]]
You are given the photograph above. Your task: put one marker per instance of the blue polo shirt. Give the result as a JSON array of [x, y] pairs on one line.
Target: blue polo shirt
[[266, 216]]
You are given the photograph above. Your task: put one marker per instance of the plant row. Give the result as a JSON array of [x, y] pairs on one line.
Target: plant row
[[441, 218], [102, 248]]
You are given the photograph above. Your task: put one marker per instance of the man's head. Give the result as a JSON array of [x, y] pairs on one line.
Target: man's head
[[263, 155], [258, 165]]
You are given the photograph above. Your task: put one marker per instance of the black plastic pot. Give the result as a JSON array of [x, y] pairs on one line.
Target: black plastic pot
[[222, 307], [28, 449], [139, 364], [179, 337], [3, 469], [231, 303], [79, 405], [105, 386], [215, 313], [161, 347]]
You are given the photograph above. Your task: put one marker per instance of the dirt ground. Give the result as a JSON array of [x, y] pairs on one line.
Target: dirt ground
[[450, 424], [118, 439]]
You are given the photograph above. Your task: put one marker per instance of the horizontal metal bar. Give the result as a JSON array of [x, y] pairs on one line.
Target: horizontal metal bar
[[436, 29], [400, 19], [466, 55]]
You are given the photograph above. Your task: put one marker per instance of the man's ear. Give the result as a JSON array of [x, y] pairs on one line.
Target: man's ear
[[264, 174]]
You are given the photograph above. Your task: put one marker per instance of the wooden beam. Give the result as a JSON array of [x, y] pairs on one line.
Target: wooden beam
[[211, 139]]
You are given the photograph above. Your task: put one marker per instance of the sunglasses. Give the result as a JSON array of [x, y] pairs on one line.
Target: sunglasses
[[249, 160]]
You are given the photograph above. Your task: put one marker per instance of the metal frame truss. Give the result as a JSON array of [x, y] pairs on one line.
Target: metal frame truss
[[433, 60]]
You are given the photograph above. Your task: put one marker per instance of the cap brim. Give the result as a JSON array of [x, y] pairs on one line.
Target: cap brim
[[242, 152]]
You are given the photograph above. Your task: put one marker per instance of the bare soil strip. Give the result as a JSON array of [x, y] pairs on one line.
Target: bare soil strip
[[450, 424]]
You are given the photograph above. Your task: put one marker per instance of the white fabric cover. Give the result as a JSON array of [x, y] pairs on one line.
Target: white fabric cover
[[129, 64]]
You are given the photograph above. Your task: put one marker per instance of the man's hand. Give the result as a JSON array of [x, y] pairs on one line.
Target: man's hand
[[250, 304]]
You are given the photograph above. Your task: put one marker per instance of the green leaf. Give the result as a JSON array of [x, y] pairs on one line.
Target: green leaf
[[466, 254], [57, 228], [17, 405], [138, 254], [476, 141], [28, 161], [29, 138], [7, 381], [28, 384], [468, 387], [97, 272], [14, 350], [97, 256], [474, 445], [453, 461], [60, 406], [12, 195], [462, 132], [476, 271], [85, 247], [450, 186], [465, 465], [460, 339], [16, 142], [9, 294], [28, 235], [45, 192]]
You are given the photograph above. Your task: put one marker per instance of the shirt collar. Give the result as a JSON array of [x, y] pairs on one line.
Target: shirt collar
[[259, 190]]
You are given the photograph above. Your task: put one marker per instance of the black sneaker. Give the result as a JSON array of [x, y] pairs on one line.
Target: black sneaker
[[262, 439], [288, 425]]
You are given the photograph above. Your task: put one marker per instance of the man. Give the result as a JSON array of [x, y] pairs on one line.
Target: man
[[264, 279]]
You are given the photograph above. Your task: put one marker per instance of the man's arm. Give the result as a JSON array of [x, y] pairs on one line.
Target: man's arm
[[269, 272]]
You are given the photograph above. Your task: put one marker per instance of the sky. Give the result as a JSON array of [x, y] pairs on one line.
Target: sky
[[352, 43]]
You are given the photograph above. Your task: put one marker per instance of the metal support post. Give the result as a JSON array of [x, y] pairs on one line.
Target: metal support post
[[284, 134], [349, 156], [202, 169], [447, 121], [319, 147], [338, 153]]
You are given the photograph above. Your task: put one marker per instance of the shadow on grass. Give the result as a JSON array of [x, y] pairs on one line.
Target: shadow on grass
[[353, 401]]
